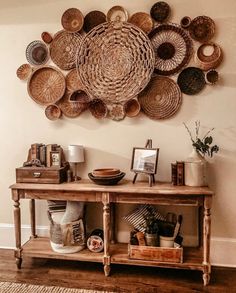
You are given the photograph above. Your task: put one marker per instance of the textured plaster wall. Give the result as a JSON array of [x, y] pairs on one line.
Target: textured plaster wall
[[110, 143]]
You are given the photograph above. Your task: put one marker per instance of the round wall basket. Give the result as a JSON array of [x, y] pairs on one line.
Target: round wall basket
[[72, 20], [37, 53], [208, 61], [46, 85], [161, 99], [63, 49], [173, 48], [202, 28], [115, 61]]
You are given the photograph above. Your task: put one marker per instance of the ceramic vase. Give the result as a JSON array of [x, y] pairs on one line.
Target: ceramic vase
[[195, 169]]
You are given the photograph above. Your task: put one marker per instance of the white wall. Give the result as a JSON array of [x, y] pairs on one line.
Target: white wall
[[110, 143]]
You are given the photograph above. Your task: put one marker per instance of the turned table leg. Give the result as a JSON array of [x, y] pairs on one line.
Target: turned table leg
[[206, 240], [113, 223], [106, 227], [32, 218], [17, 222]]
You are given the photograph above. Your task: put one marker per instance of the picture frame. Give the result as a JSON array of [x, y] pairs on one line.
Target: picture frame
[[144, 160], [55, 159]]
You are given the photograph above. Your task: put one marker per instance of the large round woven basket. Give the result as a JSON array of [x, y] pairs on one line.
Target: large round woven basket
[[173, 48], [115, 61], [46, 85], [161, 99], [63, 49]]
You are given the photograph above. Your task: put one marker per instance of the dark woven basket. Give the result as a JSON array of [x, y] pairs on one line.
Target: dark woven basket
[[98, 108], [160, 11], [202, 28], [191, 80]]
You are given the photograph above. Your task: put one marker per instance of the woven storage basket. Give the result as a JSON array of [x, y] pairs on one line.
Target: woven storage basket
[[202, 28], [206, 62], [24, 71], [98, 108], [46, 85], [115, 61], [63, 49], [72, 20], [173, 48], [161, 99], [53, 112], [191, 80]]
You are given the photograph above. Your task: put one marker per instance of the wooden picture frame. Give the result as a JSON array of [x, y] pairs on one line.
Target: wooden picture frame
[[144, 160], [55, 159]]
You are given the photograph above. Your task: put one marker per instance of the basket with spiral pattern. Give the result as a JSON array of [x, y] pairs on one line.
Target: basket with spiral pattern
[[115, 61]]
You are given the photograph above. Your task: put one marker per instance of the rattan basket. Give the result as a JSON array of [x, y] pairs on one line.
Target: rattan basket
[[160, 11], [72, 20], [69, 108], [115, 61], [46, 85], [92, 19], [37, 53], [24, 71], [206, 62], [132, 108], [73, 82], [142, 20], [53, 112], [98, 108], [161, 99], [202, 28]]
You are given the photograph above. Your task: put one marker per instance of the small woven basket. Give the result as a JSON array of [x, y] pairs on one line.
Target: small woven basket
[[53, 112], [98, 108], [202, 28], [206, 62]]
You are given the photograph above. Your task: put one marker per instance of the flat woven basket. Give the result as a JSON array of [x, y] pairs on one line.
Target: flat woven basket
[[115, 61], [63, 49], [206, 62], [202, 28], [173, 48], [161, 99], [46, 85], [191, 80]]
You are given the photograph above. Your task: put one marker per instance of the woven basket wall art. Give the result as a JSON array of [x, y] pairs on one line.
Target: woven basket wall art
[[213, 60], [143, 21], [46, 85], [46, 37], [160, 11], [72, 20], [173, 48], [117, 13], [53, 112], [132, 108], [191, 80], [116, 111], [202, 29], [37, 53], [161, 99], [115, 61], [69, 108], [73, 82], [92, 19], [63, 49], [24, 71], [98, 108]]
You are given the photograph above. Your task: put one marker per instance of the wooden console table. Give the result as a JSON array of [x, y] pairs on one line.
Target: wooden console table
[[195, 258]]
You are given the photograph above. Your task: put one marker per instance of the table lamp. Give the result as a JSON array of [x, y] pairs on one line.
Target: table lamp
[[75, 156]]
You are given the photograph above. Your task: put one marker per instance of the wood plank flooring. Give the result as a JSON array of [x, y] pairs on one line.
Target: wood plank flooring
[[127, 279]]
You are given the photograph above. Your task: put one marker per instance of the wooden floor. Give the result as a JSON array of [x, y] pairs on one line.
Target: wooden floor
[[123, 278]]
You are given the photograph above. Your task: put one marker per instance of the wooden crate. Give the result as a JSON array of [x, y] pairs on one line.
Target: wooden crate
[[161, 254], [41, 175]]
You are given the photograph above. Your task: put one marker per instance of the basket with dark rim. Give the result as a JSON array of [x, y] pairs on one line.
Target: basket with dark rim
[[53, 112], [72, 20], [98, 108], [212, 76], [92, 19], [63, 49], [202, 28], [191, 80], [69, 108], [24, 71], [173, 48], [46, 85], [160, 11], [142, 20], [37, 53], [161, 99], [111, 71], [208, 61]]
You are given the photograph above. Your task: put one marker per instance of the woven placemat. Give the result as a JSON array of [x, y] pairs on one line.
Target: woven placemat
[[46, 85], [161, 99], [115, 61], [191, 80], [63, 49], [173, 48]]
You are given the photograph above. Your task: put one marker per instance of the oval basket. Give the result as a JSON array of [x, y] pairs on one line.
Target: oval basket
[[92, 19], [24, 71], [53, 112], [202, 28], [191, 80], [63, 49], [98, 108], [160, 11], [37, 53], [72, 20], [46, 85], [206, 62], [161, 99], [111, 71], [173, 48], [143, 21]]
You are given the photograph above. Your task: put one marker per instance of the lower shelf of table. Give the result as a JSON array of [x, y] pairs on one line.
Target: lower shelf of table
[[40, 248]]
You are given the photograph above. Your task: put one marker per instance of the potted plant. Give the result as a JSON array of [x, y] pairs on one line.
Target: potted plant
[[151, 230], [195, 165]]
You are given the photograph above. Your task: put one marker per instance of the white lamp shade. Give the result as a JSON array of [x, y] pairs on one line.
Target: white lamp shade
[[75, 153]]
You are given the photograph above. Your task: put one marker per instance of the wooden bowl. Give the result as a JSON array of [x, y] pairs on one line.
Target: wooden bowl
[[105, 172], [106, 181], [53, 112]]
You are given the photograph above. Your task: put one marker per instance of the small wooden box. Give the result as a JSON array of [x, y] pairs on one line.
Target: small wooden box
[[41, 175], [160, 254]]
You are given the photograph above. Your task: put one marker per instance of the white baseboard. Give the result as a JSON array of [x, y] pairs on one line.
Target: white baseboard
[[222, 249]]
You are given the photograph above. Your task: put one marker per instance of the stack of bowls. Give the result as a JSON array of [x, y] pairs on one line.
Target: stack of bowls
[[106, 176]]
